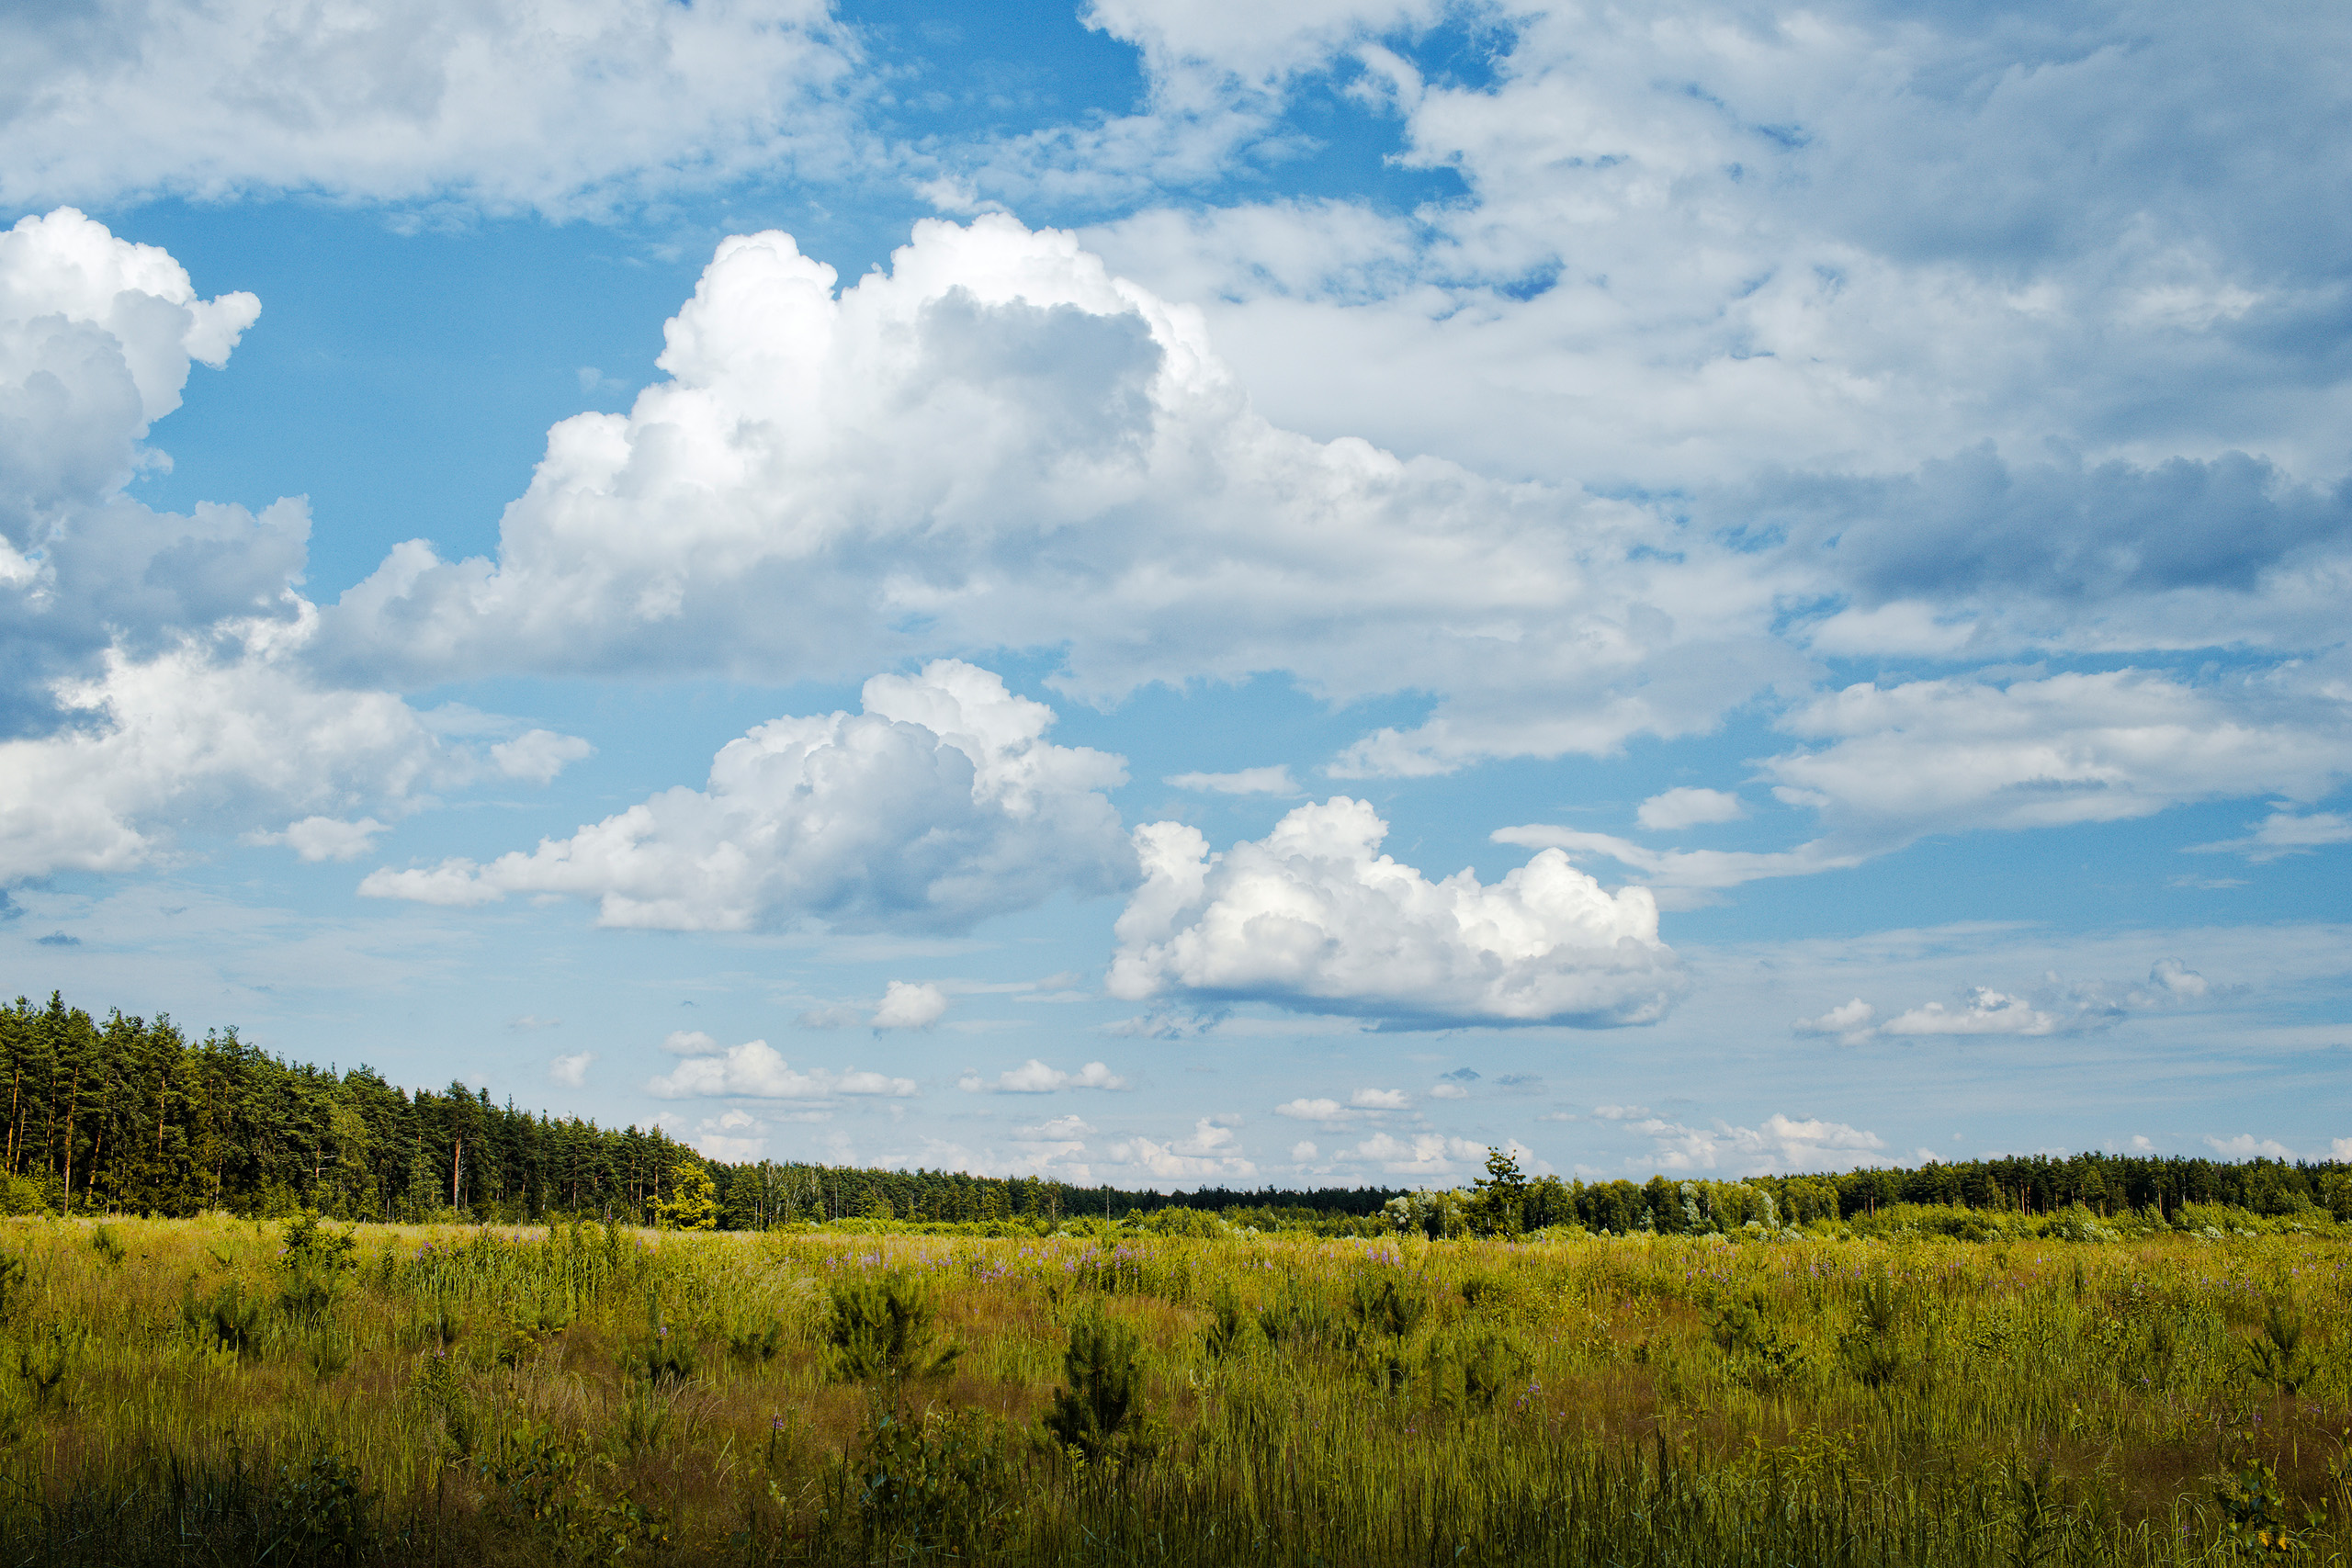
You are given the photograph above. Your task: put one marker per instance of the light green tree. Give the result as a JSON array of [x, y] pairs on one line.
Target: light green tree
[[693, 1203]]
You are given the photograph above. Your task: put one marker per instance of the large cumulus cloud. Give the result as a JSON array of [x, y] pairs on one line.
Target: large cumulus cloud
[[157, 678], [939, 805], [998, 443], [1314, 917]]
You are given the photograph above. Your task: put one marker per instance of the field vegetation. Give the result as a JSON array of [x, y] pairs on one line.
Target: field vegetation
[[2116, 1390]]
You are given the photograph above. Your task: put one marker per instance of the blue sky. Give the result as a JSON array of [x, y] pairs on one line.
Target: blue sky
[[1165, 594]]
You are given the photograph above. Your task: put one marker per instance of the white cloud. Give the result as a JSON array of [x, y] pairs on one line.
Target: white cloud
[[1781, 1145], [1421, 1154], [2284, 833], [571, 1071], [2340, 1149], [1621, 1112], [906, 1006], [1303, 1150], [2056, 1006], [1946, 756], [1033, 1077], [538, 755], [1249, 781], [2245, 1145], [507, 104], [1059, 1129], [185, 736], [1984, 1011], [996, 443], [939, 805], [1318, 1109], [324, 838], [754, 1071], [1449, 1092], [1313, 918], [1212, 1150], [1850, 1021], [1687, 807]]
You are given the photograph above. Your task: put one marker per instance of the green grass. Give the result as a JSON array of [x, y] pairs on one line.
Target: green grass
[[192, 1390]]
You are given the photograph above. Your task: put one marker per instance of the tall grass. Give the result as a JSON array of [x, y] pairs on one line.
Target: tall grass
[[216, 1389]]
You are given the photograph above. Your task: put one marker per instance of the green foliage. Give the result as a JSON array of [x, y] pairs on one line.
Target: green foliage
[[1871, 1348], [41, 1366], [1299, 1323], [232, 1319], [323, 1513], [1102, 1397], [1387, 1305], [1760, 1348], [884, 1329], [103, 1243], [1498, 1203], [2277, 1356], [553, 1492], [693, 1203], [934, 1486], [756, 1347], [2256, 1509], [1228, 1331]]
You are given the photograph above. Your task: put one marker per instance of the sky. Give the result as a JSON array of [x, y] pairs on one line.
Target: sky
[[1173, 593]]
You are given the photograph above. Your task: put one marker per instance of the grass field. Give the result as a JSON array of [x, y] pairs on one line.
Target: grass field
[[239, 1391]]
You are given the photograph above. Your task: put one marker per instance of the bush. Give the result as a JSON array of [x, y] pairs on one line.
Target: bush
[[886, 1330], [1105, 1390]]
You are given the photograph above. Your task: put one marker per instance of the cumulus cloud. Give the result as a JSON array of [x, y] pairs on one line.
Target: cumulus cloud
[[507, 104], [1421, 1154], [1212, 1150], [1688, 808], [906, 1006], [538, 755], [1852, 1022], [2245, 1145], [571, 1071], [1314, 918], [754, 1071], [1033, 1077], [1985, 1012], [940, 804], [1781, 1145], [158, 676], [998, 443]]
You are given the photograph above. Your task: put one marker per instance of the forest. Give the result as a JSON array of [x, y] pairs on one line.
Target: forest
[[128, 1115]]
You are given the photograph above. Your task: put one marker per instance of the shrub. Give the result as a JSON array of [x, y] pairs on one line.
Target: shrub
[[2277, 1356], [1105, 1388], [884, 1329], [933, 1486]]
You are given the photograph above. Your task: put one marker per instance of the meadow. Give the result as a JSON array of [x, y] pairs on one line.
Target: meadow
[[297, 1391]]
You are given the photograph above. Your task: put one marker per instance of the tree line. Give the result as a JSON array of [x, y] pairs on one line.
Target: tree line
[[129, 1115]]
